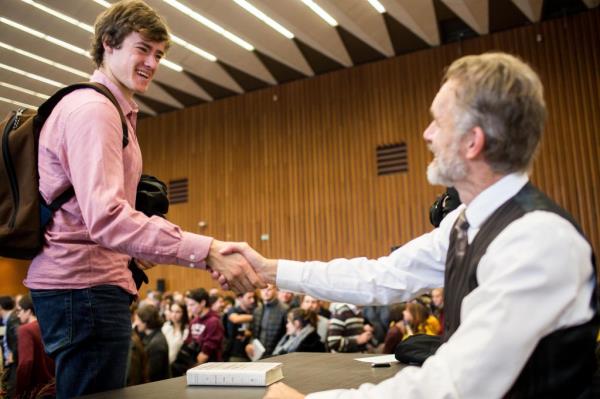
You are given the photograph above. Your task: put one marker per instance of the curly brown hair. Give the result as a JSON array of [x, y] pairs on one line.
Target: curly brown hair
[[122, 18]]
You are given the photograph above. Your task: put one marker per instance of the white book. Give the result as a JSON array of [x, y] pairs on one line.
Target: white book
[[235, 373]]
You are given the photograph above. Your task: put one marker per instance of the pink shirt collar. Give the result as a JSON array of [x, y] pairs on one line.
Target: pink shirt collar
[[128, 107]]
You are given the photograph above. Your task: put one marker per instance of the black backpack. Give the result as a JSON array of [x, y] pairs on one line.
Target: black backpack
[[23, 213]]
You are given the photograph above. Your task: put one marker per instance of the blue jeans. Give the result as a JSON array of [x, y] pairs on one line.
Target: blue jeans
[[87, 332]]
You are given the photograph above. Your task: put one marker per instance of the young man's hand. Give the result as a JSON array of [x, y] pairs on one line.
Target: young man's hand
[[265, 268], [233, 270]]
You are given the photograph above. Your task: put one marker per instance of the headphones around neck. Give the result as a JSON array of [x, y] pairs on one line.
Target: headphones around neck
[[443, 205]]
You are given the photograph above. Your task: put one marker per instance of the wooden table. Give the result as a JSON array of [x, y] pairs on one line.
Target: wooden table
[[307, 372]]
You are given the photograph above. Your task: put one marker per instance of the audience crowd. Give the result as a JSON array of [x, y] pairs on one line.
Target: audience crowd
[[174, 331]]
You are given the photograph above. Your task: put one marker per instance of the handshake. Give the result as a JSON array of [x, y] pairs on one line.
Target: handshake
[[238, 267]]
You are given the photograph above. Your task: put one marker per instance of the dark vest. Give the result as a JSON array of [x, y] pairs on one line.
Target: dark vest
[[563, 362]]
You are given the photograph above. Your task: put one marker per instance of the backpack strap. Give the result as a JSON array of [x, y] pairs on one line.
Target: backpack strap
[[46, 108]]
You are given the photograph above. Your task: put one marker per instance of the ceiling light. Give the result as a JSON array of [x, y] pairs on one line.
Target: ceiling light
[[60, 15], [32, 75], [172, 65], [320, 12], [103, 3], [45, 60], [263, 17], [20, 104], [23, 90], [193, 48], [377, 5], [209, 24], [48, 38]]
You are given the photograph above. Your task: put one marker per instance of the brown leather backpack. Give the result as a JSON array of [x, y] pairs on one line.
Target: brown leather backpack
[[23, 213]]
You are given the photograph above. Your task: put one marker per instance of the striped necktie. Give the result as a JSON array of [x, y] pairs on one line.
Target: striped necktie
[[462, 239]]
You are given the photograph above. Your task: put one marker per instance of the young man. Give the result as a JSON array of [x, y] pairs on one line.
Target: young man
[[80, 282], [35, 370], [237, 327], [269, 322], [313, 304], [520, 301], [206, 330]]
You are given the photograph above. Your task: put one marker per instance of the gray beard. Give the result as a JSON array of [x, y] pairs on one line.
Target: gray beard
[[446, 175]]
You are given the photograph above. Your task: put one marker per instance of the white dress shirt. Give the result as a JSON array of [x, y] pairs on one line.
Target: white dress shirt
[[535, 277]]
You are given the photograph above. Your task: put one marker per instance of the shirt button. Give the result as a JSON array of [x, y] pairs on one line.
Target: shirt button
[[191, 265], [155, 252], [192, 257]]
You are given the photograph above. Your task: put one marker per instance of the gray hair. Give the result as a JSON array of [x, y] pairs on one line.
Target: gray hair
[[504, 96]]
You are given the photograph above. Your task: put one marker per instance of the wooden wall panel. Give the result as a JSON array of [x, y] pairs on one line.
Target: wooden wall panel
[[12, 274], [298, 161]]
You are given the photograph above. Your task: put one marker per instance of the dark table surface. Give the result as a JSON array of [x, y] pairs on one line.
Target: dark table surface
[[307, 372]]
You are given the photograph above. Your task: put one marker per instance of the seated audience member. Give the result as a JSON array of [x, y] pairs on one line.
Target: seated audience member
[[396, 331], [165, 305], [229, 303], [437, 306], [347, 330], [147, 323], [313, 304], [237, 327], [152, 298], [205, 339], [35, 370], [324, 311], [9, 343], [417, 320], [377, 317], [301, 333], [288, 299], [137, 366], [216, 304], [176, 329], [269, 322]]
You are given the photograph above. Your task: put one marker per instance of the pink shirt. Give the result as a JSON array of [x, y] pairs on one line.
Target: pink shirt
[[92, 237]]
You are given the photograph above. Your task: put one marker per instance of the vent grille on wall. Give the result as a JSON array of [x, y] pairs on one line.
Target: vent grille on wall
[[392, 158], [178, 191]]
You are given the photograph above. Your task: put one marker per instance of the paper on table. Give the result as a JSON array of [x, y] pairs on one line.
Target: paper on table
[[259, 350], [378, 359]]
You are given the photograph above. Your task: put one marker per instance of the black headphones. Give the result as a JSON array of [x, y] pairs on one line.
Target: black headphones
[[443, 205]]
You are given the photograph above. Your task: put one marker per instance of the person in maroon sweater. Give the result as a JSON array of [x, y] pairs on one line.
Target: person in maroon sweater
[[35, 370], [206, 329], [205, 339]]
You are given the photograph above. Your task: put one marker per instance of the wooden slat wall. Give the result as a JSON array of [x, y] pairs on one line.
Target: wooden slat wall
[[298, 161], [12, 274]]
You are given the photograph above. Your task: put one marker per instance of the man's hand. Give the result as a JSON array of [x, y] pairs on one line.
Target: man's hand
[[364, 337], [281, 391], [265, 268], [202, 358], [233, 269], [250, 350]]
